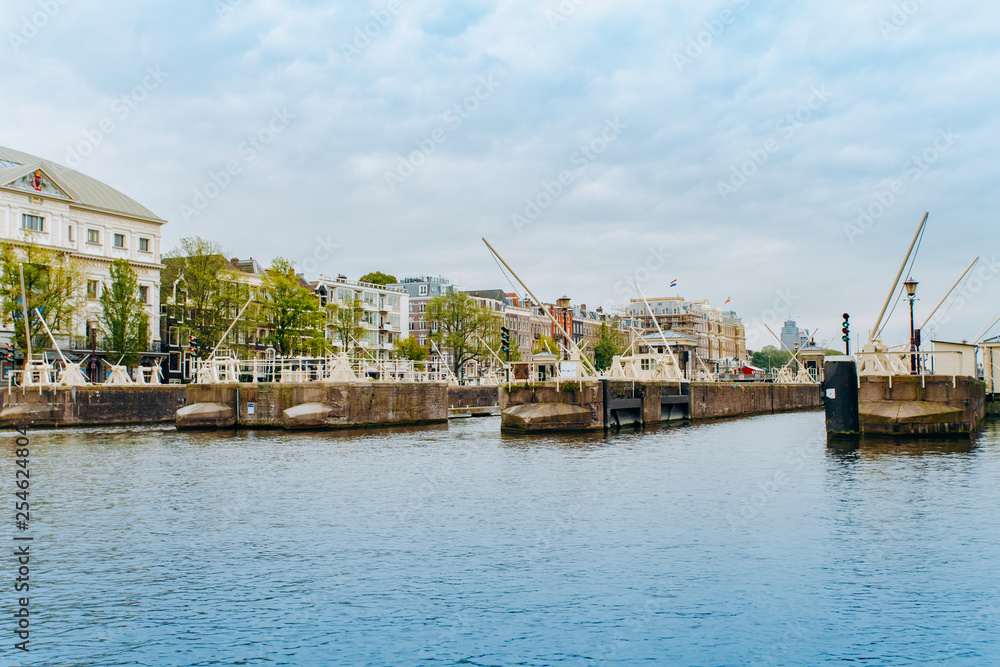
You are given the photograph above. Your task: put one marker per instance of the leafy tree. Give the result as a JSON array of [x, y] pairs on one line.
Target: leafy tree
[[347, 320], [208, 288], [545, 344], [290, 311], [378, 278], [409, 348], [459, 323], [53, 283], [770, 358], [123, 314], [610, 343]]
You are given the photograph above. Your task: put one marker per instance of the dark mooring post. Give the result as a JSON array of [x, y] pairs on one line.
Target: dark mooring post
[[840, 396]]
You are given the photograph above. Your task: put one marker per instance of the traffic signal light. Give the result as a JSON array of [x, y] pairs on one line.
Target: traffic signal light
[[194, 342], [505, 339], [9, 352], [847, 333]]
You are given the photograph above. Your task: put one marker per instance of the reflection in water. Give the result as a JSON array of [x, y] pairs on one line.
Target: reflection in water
[[737, 542]]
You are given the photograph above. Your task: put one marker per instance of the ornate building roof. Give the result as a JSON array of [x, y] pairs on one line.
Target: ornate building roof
[[23, 172]]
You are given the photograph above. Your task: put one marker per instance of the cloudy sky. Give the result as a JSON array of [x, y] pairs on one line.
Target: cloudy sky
[[780, 154]]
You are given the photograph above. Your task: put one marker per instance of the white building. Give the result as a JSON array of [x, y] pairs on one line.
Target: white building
[[384, 313], [67, 211]]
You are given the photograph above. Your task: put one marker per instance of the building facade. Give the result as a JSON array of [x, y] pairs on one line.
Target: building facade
[[383, 317], [419, 291], [720, 333], [792, 337], [68, 212]]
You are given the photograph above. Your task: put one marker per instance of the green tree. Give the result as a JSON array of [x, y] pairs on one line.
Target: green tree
[[346, 316], [770, 358], [610, 343], [545, 344], [290, 311], [53, 283], [123, 314], [378, 278], [409, 348], [459, 324], [209, 292]]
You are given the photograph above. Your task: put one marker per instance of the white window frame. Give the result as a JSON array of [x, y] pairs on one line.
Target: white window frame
[[33, 216]]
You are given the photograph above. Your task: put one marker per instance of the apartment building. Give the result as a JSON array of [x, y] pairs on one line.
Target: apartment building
[[384, 313]]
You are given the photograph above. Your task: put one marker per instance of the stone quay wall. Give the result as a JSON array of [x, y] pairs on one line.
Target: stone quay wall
[[87, 406], [550, 407], [316, 406]]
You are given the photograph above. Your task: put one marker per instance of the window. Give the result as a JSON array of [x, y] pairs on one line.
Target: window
[[35, 223], [423, 290], [93, 236], [119, 240], [144, 293], [92, 290], [143, 245], [69, 233]]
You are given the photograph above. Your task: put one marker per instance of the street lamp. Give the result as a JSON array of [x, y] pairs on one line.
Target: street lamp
[[911, 291]]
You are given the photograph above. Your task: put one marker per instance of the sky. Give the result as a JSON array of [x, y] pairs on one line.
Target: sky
[[776, 154]]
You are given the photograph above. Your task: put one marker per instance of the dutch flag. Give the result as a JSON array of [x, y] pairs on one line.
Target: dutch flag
[[673, 283]]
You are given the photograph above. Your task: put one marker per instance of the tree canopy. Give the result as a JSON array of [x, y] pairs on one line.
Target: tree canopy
[[53, 283], [123, 313], [209, 292], [459, 323], [378, 278], [290, 312], [409, 348], [610, 343]]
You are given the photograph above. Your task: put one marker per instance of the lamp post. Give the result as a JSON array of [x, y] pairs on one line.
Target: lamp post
[[911, 291]]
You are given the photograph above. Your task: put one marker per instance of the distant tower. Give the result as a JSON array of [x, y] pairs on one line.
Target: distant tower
[[790, 336]]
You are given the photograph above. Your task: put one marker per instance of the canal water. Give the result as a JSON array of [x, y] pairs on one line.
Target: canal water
[[745, 542]]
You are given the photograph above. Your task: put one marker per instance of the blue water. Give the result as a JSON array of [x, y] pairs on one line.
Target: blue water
[[735, 543]]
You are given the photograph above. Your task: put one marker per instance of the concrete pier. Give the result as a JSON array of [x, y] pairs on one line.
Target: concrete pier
[[599, 404], [920, 405], [313, 405]]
